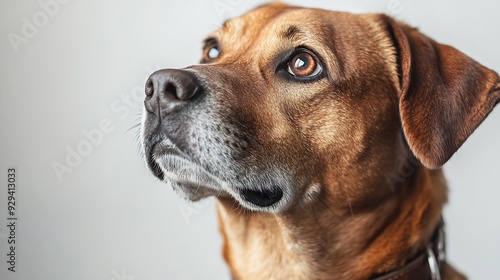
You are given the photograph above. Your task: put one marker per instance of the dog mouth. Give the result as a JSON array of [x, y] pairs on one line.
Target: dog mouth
[[171, 165], [262, 198], [193, 181]]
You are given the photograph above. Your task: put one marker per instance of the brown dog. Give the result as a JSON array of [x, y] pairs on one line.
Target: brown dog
[[321, 134]]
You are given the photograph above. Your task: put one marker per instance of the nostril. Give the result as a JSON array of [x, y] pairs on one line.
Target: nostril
[[149, 88], [171, 91]]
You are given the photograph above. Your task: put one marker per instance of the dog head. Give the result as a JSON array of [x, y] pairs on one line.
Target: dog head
[[291, 104]]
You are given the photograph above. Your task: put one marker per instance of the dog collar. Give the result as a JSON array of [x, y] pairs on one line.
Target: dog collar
[[427, 265]]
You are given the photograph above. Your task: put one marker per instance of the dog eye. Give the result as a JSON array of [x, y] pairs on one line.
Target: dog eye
[[304, 65], [211, 53]]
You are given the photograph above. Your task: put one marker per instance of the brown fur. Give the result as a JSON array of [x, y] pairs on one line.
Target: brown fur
[[351, 223]]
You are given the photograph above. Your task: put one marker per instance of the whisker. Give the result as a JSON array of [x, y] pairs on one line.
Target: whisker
[[349, 202], [132, 127]]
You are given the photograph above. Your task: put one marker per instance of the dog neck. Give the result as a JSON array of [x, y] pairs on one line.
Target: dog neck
[[319, 241]]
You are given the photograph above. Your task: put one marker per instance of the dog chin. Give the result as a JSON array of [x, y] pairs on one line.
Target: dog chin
[[193, 182], [192, 193], [189, 179]]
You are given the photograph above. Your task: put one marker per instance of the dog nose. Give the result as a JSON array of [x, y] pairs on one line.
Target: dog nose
[[169, 89]]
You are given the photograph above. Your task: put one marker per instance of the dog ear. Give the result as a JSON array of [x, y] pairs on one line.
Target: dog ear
[[445, 95]]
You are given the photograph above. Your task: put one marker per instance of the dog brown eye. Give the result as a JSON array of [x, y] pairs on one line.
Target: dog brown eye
[[211, 53], [304, 65]]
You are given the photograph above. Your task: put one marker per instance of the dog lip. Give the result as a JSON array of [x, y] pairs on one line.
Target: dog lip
[[157, 149], [154, 150], [263, 198], [153, 166]]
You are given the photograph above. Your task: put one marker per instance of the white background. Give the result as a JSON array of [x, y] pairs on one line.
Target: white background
[[109, 218]]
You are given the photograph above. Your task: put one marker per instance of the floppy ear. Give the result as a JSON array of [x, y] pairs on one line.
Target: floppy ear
[[445, 95]]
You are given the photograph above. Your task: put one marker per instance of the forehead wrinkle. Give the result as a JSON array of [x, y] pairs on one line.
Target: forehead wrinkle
[[291, 32], [259, 17], [242, 35]]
